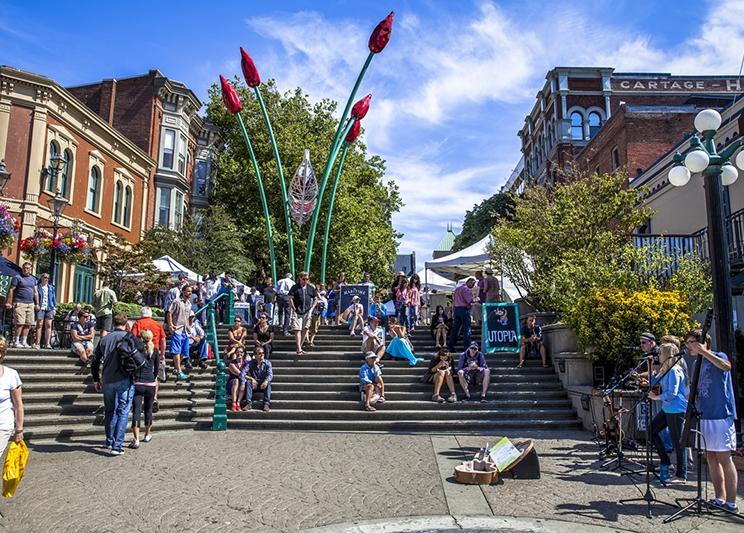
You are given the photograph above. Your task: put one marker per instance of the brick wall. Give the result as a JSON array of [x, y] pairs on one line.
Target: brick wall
[[17, 151]]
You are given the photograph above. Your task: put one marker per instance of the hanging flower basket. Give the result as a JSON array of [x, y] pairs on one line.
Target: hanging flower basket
[[70, 247], [9, 226]]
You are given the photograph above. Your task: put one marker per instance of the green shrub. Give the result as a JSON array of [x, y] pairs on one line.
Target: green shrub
[[606, 320], [129, 309]]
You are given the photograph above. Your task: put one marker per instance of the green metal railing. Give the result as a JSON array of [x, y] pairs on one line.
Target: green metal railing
[[219, 415]]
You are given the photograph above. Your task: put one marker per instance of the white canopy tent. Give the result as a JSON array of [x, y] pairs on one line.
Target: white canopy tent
[[435, 282], [469, 260], [170, 266]]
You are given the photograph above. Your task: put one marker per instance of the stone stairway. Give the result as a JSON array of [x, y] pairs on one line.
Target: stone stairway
[[315, 392]]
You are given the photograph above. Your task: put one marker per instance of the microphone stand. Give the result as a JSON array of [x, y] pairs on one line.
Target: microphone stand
[[619, 445], [648, 496]]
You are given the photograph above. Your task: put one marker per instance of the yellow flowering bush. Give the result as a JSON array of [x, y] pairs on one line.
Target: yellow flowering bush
[[605, 320]]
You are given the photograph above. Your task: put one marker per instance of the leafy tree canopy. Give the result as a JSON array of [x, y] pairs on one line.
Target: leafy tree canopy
[[479, 221], [362, 237]]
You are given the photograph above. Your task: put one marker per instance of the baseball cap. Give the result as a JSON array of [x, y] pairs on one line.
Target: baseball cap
[[370, 355]]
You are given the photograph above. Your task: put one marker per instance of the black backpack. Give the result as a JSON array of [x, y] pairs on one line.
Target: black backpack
[[131, 353]]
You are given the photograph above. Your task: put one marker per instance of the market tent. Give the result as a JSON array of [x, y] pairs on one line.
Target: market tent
[[434, 281], [170, 266], [509, 290], [465, 262]]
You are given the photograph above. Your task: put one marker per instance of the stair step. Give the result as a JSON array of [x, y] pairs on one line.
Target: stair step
[[384, 413], [262, 423]]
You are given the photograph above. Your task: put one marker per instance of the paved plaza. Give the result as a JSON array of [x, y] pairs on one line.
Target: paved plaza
[[286, 481]]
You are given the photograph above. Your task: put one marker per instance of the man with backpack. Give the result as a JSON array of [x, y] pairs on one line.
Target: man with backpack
[[116, 359]]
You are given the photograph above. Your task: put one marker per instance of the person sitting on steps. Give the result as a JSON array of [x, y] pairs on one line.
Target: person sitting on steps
[[258, 376], [532, 340], [373, 338], [236, 335], [82, 334], [472, 370], [439, 373], [354, 314], [439, 328], [370, 381], [235, 386]]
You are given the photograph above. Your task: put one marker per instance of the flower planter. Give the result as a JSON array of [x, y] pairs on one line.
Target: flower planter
[[559, 338]]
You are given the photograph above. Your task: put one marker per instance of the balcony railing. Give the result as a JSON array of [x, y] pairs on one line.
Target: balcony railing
[[676, 246]]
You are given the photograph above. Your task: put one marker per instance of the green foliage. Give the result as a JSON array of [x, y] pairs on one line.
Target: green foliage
[[129, 309], [129, 269], [605, 320], [209, 242], [479, 221], [362, 236]]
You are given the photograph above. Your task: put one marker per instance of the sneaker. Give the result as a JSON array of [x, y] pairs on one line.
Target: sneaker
[[452, 398], [730, 507], [466, 398], [35, 346], [187, 365], [203, 365], [16, 344], [117, 452], [181, 376], [147, 438], [483, 399], [47, 346], [247, 407], [266, 408], [25, 345], [437, 398], [134, 444]]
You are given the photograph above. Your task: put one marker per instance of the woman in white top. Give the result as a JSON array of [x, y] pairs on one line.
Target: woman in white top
[[11, 403]]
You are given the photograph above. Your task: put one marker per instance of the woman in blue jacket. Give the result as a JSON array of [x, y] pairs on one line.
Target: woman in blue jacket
[[45, 314], [673, 397]]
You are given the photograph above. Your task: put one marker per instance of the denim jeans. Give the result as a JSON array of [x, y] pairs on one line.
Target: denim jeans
[[285, 313], [117, 400], [249, 392], [412, 316], [674, 421], [403, 315], [200, 349], [462, 320]]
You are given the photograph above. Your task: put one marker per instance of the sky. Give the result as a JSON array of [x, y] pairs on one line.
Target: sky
[[450, 91]]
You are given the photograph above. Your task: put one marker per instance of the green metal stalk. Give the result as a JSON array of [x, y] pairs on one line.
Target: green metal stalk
[[330, 212], [267, 220], [283, 186], [331, 159], [219, 415]]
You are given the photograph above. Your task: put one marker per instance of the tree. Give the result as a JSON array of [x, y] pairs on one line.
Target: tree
[[128, 269], [204, 243], [362, 237], [479, 221]]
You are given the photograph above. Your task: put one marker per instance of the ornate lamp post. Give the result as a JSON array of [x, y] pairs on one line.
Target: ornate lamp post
[[56, 206], [4, 175], [717, 172]]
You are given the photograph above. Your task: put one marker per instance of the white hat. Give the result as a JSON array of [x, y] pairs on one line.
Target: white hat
[[370, 355]]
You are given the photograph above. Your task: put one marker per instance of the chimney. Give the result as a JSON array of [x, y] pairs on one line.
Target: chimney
[[108, 100]]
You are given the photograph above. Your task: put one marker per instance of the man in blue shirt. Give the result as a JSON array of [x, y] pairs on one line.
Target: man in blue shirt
[[370, 381], [24, 300], [472, 370], [715, 402], [257, 376]]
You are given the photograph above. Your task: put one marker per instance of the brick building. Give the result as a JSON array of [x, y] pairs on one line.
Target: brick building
[[106, 178], [577, 103], [160, 116]]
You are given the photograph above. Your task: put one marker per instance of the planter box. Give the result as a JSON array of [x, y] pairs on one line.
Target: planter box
[[559, 338], [574, 369]]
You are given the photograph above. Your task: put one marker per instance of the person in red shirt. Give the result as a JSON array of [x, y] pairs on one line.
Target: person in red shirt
[[146, 322]]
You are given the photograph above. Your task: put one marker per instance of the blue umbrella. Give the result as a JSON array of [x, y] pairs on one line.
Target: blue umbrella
[[9, 268]]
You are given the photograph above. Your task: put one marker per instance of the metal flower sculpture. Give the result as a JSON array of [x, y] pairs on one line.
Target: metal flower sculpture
[[381, 34], [303, 191]]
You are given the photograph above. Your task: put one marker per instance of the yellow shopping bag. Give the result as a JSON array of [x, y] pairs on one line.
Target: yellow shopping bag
[[15, 466]]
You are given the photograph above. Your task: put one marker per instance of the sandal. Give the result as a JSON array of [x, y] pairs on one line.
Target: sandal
[[381, 399], [520, 365], [370, 408], [546, 366]]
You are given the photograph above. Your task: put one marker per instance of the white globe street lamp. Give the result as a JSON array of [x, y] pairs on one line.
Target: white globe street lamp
[[707, 120], [740, 160], [728, 174], [697, 160], [679, 176]]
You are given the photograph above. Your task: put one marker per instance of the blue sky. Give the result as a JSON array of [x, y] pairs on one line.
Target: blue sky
[[449, 92]]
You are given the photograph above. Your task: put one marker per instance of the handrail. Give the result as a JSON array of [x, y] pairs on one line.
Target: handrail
[[219, 414], [204, 307]]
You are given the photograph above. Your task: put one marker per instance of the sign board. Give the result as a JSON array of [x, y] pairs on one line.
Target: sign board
[[4, 285], [501, 331], [349, 291]]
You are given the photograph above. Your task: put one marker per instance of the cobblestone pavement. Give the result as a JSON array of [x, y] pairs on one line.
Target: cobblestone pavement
[[284, 481]]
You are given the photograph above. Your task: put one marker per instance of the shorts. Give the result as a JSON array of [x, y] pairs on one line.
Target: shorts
[[314, 324], [300, 321], [81, 346], [23, 314], [474, 378], [718, 435], [179, 344], [45, 315], [104, 323]]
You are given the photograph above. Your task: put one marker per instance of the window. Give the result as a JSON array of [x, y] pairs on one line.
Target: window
[[577, 126], [182, 155], [615, 159], [164, 207], [127, 218], [179, 210], [65, 177], [49, 184], [117, 202], [595, 123], [202, 176], [169, 142], [94, 186]]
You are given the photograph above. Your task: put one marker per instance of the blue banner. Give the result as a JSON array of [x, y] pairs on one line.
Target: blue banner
[[501, 329]]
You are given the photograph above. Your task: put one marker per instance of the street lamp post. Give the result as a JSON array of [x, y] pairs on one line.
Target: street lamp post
[[56, 206], [4, 175], [717, 172]]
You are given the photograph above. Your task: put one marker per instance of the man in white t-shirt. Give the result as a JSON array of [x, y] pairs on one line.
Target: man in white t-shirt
[[373, 338], [11, 405]]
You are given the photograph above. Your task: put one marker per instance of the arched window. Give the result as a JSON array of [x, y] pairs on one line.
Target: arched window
[[94, 189], [65, 177], [117, 202], [49, 184], [127, 207], [595, 123], [577, 126]]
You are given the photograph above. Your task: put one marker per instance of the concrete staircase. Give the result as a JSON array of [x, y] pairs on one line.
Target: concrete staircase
[[315, 392]]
